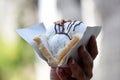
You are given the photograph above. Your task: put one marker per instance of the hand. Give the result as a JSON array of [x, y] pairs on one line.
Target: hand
[[81, 70]]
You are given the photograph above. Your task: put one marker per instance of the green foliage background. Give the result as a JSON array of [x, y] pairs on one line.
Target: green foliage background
[[14, 59], [17, 59]]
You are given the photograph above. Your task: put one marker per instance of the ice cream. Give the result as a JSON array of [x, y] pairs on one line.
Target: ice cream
[[60, 39]]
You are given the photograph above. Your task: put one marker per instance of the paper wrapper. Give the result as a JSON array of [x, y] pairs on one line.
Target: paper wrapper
[[29, 33]]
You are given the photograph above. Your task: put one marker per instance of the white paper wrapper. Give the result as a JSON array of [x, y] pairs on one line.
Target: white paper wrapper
[[29, 33]]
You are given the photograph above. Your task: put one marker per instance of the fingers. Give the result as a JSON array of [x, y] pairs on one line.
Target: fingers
[[87, 61], [64, 73], [92, 47], [76, 70], [83, 70]]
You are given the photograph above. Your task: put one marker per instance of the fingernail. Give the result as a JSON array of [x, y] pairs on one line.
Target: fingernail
[[60, 69], [70, 61], [81, 48], [93, 37]]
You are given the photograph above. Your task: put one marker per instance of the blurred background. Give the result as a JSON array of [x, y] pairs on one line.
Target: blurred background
[[17, 58]]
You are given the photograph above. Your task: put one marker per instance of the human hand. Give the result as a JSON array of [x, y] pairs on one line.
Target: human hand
[[81, 70]]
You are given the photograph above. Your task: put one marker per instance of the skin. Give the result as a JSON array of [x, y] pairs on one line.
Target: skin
[[80, 69]]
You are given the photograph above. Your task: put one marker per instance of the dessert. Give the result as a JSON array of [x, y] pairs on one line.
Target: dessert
[[56, 44]]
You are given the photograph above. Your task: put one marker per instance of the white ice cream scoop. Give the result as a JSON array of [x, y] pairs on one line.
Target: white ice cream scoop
[[57, 43]]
